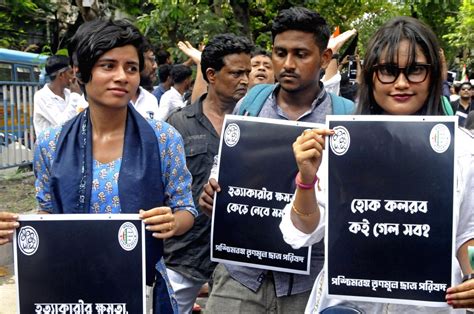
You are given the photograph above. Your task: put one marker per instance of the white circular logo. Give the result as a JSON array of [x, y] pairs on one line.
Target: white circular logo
[[28, 240], [232, 135], [440, 138], [340, 141], [128, 236]]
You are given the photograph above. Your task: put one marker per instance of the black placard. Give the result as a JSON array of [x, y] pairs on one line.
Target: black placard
[[89, 263], [256, 173], [390, 209]]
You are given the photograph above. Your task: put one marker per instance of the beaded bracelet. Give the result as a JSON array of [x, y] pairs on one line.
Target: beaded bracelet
[[304, 186], [301, 213]]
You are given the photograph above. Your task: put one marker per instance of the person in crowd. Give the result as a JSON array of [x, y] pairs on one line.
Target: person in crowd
[[401, 76], [463, 105], [225, 63], [172, 99], [122, 163], [164, 76], [262, 68], [349, 89], [300, 37], [59, 100], [148, 75], [332, 76], [454, 89], [143, 99], [163, 57]]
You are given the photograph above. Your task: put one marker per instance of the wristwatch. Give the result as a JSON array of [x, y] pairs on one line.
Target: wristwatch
[[335, 56], [468, 277]]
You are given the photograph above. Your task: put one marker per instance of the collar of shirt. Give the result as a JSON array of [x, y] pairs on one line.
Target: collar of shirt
[[320, 107], [196, 108], [53, 95]]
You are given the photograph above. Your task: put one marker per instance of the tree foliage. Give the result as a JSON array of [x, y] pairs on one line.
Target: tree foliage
[[21, 20], [461, 32], [165, 22]]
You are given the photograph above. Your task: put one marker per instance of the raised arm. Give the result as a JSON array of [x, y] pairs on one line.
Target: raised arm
[[308, 150], [200, 85]]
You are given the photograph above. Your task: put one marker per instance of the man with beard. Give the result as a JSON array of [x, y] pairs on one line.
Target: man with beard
[[225, 66], [144, 101], [300, 39]]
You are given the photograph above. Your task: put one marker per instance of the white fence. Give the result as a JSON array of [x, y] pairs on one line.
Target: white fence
[[16, 123]]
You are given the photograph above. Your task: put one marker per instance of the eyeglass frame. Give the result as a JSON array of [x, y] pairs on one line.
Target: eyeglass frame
[[426, 66]]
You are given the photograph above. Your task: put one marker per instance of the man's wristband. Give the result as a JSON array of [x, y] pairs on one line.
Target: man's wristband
[[467, 277], [304, 186]]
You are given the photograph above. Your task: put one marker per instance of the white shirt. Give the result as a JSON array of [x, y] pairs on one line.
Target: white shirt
[[464, 188], [454, 97], [170, 101], [333, 84], [52, 110], [146, 104]]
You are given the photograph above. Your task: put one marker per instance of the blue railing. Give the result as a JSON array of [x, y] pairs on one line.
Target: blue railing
[[16, 123]]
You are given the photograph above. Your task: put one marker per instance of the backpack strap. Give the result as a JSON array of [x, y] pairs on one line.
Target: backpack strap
[[255, 98], [341, 105], [447, 108]]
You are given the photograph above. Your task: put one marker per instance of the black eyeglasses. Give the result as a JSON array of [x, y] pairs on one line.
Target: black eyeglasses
[[466, 88], [388, 73]]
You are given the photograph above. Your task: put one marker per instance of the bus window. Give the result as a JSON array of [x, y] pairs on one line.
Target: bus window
[[5, 72], [36, 73], [23, 74]]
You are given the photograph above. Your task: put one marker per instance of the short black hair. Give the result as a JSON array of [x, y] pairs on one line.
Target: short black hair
[[305, 20], [54, 64], [96, 37], [146, 45], [164, 71], [257, 51], [180, 72], [221, 46], [162, 56]]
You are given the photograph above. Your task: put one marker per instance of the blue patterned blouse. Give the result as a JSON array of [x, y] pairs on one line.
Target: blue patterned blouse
[[105, 197]]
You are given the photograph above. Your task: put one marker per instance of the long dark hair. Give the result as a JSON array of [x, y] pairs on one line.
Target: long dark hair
[[387, 41]]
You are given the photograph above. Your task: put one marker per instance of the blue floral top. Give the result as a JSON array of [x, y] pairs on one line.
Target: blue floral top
[[104, 196]]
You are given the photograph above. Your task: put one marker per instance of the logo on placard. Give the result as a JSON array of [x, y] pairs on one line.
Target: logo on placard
[[440, 138], [128, 236], [232, 135], [28, 240], [340, 141]]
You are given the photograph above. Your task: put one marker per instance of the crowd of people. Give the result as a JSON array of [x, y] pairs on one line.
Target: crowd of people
[[115, 105]]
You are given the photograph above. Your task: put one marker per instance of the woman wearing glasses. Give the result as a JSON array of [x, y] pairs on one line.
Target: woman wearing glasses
[[401, 76]]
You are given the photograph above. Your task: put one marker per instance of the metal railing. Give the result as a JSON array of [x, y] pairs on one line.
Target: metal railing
[[16, 123]]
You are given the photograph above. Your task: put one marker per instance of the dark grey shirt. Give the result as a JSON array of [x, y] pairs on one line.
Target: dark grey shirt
[[285, 283], [189, 254]]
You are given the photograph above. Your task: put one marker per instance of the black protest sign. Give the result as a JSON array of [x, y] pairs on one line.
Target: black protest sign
[[80, 264], [390, 209], [256, 174]]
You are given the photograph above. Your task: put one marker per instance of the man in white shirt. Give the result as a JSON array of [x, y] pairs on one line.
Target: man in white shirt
[[173, 98], [55, 103]]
